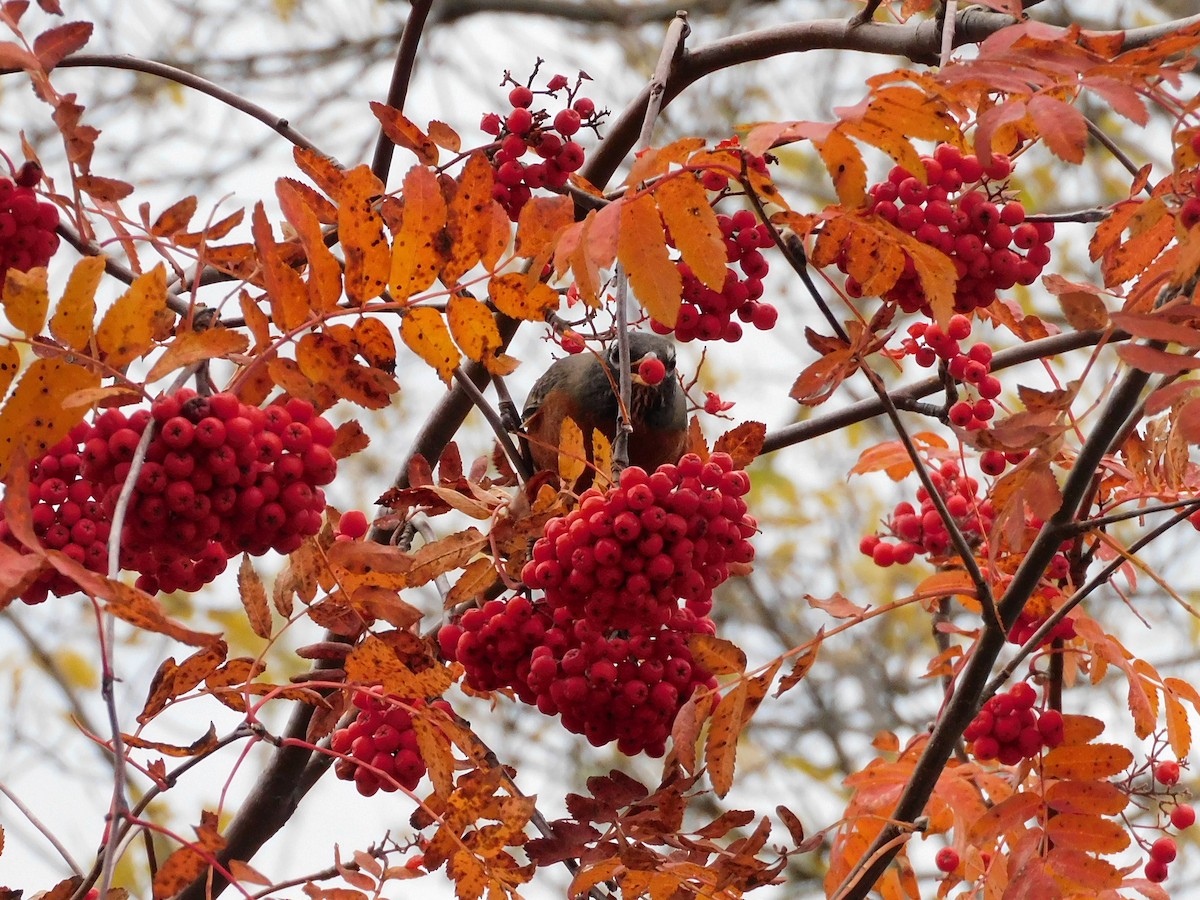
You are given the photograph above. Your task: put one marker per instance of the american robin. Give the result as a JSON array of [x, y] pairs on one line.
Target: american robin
[[582, 387]]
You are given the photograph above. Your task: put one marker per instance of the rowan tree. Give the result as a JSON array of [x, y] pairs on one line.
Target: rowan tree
[[188, 386]]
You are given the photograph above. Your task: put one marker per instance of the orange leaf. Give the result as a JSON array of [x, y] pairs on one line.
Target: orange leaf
[[642, 249], [285, 290], [470, 218], [1086, 762], [75, 313], [374, 662], [717, 655], [1087, 833], [175, 217], [1151, 359], [404, 133], [424, 331], [1080, 729], [512, 296], [845, 165], [328, 361], [193, 346], [1004, 817], [34, 417], [26, 299], [360, 230], [416, 253], [1100, 798], [541, 221], [324, 271], [1179, 730], [1061, 125], [376, 344], [1094, 876], [742, 443], [685, 209], [720, 747], [444, 555], [105, 190], [183, 866], [254, 599], [444, 136]]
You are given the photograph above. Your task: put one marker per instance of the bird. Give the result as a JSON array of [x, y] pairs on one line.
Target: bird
[[583, 387]]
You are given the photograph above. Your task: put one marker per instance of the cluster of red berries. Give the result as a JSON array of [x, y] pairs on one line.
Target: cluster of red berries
[[1009, 729], [382, 737], [921, 530], [928, 343], [624, 557], [706, 314], [219, 478], [1164, 850], [983, 234], [1039, 608], [66, 516], [525, 129], [606, 648], [27, 236]]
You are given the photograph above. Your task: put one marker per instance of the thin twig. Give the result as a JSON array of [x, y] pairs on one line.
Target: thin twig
[[152, 67], [406, 58], [672, 51], [1100, 578], [624, 376], [950, 14], [1110, 145], [515, 458], [42, 829]]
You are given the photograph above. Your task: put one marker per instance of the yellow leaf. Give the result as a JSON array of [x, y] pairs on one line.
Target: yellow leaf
[[572, 456], [285, 290], [328, 361], [10, 364], [512, 296], [193, 346], [26, 299], [687, 214], [416, 253], [470, 219], [324, 271], [642, 249], [474, 329], [35, 418], [360, 230], [74, 316], [424, 332]]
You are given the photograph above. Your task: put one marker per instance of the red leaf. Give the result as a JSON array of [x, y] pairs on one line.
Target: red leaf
[[53, 46]]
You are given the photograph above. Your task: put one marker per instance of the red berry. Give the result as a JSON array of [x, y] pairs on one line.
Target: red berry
[[520, 97], [584, 106], [1167, 772], [1156, 871], [947, 859], [1164, 850], [353, 523], [1183, 816], [567, 122], [652, 371]]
